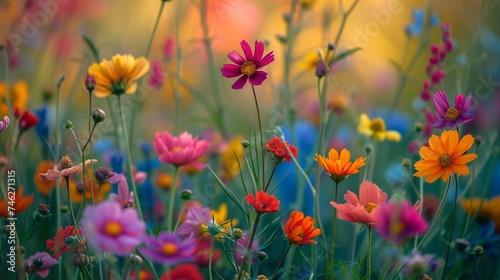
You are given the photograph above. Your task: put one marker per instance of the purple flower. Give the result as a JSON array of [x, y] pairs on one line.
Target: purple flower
[[247, 67], [124, 196], [448, 116], [398, 221], [168, 249], [110, 228], [4, 123], [416, 265], [40, 263], [195, 223]]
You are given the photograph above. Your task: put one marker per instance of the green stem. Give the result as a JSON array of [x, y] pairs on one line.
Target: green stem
[[369, 260], [281, 260], [210, 256], [452, 225], [246, 258], [261, 138], [334, 231], [150, 42], [170, 214], [69, 201], [429, 231], [129, 158], [345, 15], [271, 176]]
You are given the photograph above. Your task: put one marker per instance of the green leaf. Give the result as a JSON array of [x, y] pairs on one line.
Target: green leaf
[[92, 47], [227, 190], [345, 54], [396, 66]]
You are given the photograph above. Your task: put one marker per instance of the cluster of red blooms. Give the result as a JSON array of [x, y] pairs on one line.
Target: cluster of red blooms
[[434, 69]]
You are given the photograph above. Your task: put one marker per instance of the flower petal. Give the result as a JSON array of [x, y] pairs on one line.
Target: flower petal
[[247, 50], [240, 83], [258, 78], [236, 58], [230, 70]]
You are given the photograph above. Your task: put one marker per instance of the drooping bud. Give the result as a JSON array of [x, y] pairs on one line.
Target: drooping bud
[[98, 115]]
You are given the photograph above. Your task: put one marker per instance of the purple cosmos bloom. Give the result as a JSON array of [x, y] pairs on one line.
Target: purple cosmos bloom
[[398, 221], [4, 123], [110, 228], [124, 196], [41, 262], [195, 223], [247, 67], [448, 116], [168, 249]]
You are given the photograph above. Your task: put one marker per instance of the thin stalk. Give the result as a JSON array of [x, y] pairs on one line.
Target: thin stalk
[[261, 138], [129, 158], [345, 15], [369, 260], [178, 76], [271, 176], [249, 247], [473, 173], [452, 225], [171, 201], [150, 42], [281, 260], [334, 231], [69, 201], [210, 255], [57, 140]]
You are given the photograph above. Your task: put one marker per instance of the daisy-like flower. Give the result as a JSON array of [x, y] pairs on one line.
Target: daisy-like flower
[[195, 222], [58, 245], [300, 230], [445, 155], [263, 203], [64, 169], [376, 129], [279, 151], [40, 263], [21, 203], [168, 249], [118, 75], [398, 221], [339, 167], [124, 196], [448, 116], [178, 151], [364, 209], [112, 229], [247, 67]]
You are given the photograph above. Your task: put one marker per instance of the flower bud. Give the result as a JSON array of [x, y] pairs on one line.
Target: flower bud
[[37, 262], [237, 233], [461, 244], [186, 194], [98, 115], [64, 208], [90, 82], [478, 140], [321, 69], [79, 260], [262, 255], [406, 162], [135, 259], [245, 144], [68, 124], [43, 209], [418, 127], [69, 240], [478, 250], [331, 46], [368, 148]]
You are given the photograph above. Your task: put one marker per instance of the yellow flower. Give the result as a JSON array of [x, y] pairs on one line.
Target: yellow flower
[[307, 3], [230, 157], [164, 181], [445, 155], [339, 167], [18, 95], [311, 59], [221, 219], [117, 76], [489, 210], [10, 11], [376, 129]]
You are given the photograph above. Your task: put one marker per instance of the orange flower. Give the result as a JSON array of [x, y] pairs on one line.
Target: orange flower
[[263, 203], [486, 209], [44, 186], [445, 155], [300, 230], [339, 167], [18, 95], [20, 203]]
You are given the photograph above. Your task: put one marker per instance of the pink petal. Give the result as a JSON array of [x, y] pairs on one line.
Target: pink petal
[[230, 70], [459, 101], [240, 83], [258, 78], [266, 60], [247, 50], [351, 198], [441, 102], [259, 52], [236, 58]]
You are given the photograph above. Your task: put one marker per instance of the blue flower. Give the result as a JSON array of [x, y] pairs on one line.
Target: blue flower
[[416, 28], [42, 127]]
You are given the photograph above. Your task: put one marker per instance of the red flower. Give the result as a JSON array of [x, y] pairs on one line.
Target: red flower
[[201, 256], [183, 272], [247, 67], [276, 147], [28, 120], [58, 244], [263, 203]]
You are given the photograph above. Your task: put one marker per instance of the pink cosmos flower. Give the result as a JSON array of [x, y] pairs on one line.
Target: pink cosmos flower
[[40, 263], [168, 48], [247, 67], [4, 123], [195, 223], [182, 150], [364, 209], [110, 228], [56, 173], [168, 249], [156, 76], [124, 197], [398, 221], [448, 116]]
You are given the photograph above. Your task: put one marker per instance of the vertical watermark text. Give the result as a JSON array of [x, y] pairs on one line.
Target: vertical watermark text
[[11, 220]]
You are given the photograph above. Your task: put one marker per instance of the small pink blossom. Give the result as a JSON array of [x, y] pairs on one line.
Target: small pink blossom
[[156, 75], [4, 123], [449, 116], [55, 173], [364, 209], [40, 263], [182, 150], [398, 221], [124, 196]]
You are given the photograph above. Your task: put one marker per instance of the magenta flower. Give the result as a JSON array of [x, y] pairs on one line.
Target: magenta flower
[[4, 123], [448, 116], [40, 263], [124, 197], [195, 223], [155, 80], [168, 249], [182, 150], [398, 221], [109, 228], [247, 67]]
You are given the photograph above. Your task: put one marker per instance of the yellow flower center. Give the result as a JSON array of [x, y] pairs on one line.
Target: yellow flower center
[[397, 228], [65, 163], [113, 229], [370, 206], [377, 125], [452, 114], [169, 249], [248, 68], [177, 149], [445, 160]]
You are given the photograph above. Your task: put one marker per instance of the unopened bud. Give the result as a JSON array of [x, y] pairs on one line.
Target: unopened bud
[[64, 208], [186, 194], [98, 115], [237, 233], [135, 259], [418, 127], [478, 250], [406, 162], [478, 140], [43, 209], [68, 124], [37, 262], [80, 260], [69, 240], [331, 46], [368, 148], [245, 144], [461, 244], [262, 255], [90, 82]]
